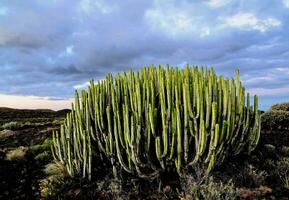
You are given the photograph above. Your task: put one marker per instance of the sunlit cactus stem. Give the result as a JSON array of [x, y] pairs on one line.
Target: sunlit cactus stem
[[154, 119]]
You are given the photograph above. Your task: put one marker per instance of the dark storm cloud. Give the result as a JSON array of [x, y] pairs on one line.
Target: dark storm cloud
[[48, 48], [67, 70]]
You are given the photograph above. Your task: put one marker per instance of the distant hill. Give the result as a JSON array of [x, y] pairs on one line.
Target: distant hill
[[11, 113], [4, 109]]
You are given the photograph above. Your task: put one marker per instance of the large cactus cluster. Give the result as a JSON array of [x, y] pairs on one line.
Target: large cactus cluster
[[157, 118]]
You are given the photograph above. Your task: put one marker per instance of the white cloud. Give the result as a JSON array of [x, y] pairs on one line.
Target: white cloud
[[283, 69], [218, 3], [4, 10], [268, 91], [260, 79], [286, 3], [91, 6], [86, 84], [69, 51], [182, 64], [175, 22], [250, 21], [206, 31], [81, 86]]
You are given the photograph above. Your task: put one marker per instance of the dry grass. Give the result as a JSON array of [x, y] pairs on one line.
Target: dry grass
[[285, 181], [16, 154], [57, 173], [210, 189], [56, 168]]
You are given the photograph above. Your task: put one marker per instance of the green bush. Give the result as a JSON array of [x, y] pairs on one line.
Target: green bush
[[17, 125], [155, 119], [55, 180], [275, 120], [39, 148], [281, 169], [285, 150], [57, 121], [280, 106], [212, 190], [12, 126], [46, 155]]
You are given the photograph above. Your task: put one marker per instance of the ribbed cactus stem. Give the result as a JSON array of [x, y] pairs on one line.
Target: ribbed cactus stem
[[156, 119]]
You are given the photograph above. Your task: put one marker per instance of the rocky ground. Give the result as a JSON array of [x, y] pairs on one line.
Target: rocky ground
[[25, 152], [19, 174]]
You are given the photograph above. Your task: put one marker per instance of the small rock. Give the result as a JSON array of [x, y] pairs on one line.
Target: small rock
[[7, 133], [265, 189], [285, 150], [104, 195], [77, 192], [74, 192], [167, 189]]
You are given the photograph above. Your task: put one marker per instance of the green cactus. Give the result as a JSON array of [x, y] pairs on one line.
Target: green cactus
[[142, 121]]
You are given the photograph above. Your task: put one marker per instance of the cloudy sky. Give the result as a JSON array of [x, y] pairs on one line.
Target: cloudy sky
[[48, 48]]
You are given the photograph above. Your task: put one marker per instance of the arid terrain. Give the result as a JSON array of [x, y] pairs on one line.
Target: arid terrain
[[25, 130]]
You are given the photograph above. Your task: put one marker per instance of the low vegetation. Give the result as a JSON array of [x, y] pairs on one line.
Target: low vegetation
[[211, 189], [277, 117], [16, 154], [280, 107], [12, 125], [275, 120]]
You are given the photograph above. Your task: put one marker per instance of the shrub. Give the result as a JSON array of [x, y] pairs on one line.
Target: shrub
[[275, 120], [285, 150], [16, 154], [12, 125], [252, 176], [285, 181], [39, 148], [269, 148], [56, 168], [57, 121], [282, 169], [279, 170], [57, 175], [43, 156], [280, 106], [213, 190], [156, 119]]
